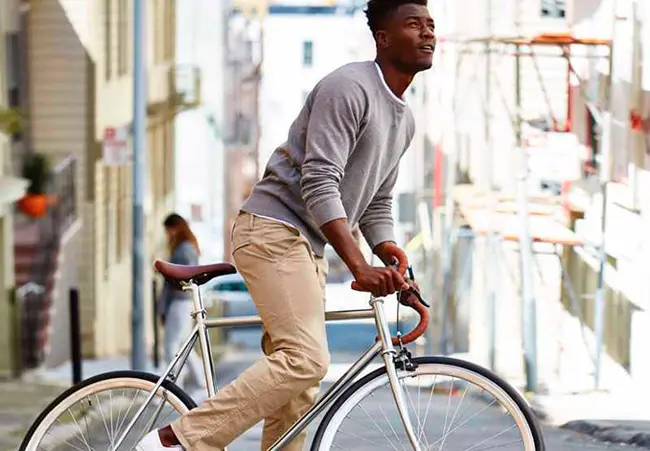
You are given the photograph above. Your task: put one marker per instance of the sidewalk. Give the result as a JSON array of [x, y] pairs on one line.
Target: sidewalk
[[622, 417], [20, 403]]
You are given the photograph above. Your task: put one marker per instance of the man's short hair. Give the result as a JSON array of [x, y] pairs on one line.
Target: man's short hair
[[378, 11]]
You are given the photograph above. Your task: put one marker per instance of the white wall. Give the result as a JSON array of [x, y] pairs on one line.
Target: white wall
[[198, 143], [337, 40]]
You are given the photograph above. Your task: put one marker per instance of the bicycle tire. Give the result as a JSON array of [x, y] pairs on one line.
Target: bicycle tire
[[178, 392], [512, 393]]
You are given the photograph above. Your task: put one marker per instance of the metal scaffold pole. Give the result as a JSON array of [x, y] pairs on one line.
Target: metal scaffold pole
[[138, 352], [529, 307], [490, 273], [604, 175]]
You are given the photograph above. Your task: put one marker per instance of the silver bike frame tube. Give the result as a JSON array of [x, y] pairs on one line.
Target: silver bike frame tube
[[189, 342], [332, 393], [239, 321], [199, 315], [199, 332], [388, 353]]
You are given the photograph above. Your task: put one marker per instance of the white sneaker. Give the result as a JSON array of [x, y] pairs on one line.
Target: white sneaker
[[151, 442]]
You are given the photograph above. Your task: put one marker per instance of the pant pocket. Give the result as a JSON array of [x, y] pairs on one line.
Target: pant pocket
[[240, 235]]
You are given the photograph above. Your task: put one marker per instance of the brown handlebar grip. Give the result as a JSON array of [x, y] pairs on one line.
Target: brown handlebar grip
[[421, 327], [414, 303]]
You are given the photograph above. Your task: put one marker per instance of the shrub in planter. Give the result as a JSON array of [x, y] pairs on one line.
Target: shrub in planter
[[10, 121], [37, 170]]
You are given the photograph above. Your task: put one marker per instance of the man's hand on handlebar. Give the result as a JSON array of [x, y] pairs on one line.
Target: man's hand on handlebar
[[380, 281], [392, 255]]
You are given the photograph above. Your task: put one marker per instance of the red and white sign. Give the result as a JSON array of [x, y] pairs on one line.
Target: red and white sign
[[115, 146]]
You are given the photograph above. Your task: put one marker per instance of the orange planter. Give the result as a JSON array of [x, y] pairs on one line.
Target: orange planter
[[35, 205]]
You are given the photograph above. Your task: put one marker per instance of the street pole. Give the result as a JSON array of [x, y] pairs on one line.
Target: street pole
[[528, 305], [138, 354], [605, 173], [490, 270]]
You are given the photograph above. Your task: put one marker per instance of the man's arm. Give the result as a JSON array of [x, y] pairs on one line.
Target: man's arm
[[337, 112], [338, 109], [379, 281], [376, 223]]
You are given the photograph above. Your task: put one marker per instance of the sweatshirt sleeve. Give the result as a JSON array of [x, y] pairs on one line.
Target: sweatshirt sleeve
[[376, 223], [338, 109]]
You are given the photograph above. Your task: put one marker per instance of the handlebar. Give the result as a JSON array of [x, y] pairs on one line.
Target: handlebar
[[415, 301], [410, 298]]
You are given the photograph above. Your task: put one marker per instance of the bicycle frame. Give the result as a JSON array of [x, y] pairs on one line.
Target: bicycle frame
[[383, 347]]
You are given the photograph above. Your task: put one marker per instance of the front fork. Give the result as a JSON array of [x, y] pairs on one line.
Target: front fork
[[390, 355]]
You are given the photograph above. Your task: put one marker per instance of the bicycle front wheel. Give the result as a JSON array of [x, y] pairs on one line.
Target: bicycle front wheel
[[93, 414], [453, 405]]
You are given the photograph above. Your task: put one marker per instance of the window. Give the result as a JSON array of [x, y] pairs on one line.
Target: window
[[170, 32], [108, 221], [108, 41], [553, 8], [307, 53], [163, 20], [119, 213], [123, 37], [593, 142]]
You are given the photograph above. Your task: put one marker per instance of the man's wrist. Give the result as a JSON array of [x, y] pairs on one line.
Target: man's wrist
[[379, 249], [356, 267]]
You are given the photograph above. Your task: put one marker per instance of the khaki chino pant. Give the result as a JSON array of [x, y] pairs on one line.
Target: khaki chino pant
[[287, 283]]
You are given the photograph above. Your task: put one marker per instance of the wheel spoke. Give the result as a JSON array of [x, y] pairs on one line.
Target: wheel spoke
[[456, 422], [85, 420]]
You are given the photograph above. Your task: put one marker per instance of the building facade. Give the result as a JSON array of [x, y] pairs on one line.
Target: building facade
[[479, 110], [80, 92], [12, 188]]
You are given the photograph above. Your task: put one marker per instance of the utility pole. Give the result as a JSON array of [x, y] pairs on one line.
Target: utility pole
[[490, 273], [605, 173], [529, 306], [138, 354]]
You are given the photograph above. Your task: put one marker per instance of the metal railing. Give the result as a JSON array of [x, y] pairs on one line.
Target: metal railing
[[37, 300]]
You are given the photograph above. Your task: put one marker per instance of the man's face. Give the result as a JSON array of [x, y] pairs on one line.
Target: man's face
[[408, 39]]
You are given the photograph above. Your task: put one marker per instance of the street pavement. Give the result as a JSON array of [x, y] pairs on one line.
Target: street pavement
[[557, 439], [21, 401]]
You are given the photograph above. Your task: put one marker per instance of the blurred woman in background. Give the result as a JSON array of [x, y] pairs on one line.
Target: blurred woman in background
[[175, 305]]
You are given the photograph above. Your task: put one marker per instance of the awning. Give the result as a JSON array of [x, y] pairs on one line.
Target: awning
[[12, 189]]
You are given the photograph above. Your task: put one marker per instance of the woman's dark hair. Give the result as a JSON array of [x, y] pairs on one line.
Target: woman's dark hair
[[378, 11], [183, 232]]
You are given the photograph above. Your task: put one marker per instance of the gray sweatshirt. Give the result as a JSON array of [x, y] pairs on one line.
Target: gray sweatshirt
[[341, 158], [184, 254]]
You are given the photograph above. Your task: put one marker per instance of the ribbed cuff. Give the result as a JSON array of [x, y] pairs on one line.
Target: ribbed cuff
[[378, 233], [328, 210]]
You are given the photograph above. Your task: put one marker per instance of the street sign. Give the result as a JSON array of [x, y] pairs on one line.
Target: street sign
[[115, 146]]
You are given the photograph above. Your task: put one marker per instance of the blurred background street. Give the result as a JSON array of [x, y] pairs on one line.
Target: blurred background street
[[522, 202]]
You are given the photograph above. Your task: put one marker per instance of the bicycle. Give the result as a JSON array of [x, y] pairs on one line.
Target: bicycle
[[341, 400]]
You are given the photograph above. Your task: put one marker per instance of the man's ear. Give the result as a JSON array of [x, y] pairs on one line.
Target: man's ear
[[383, 40]]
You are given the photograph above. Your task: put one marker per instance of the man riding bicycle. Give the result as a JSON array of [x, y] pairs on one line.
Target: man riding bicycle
[[337, 169]]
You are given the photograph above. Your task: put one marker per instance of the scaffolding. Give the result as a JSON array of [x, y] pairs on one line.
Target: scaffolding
[[501, 218]]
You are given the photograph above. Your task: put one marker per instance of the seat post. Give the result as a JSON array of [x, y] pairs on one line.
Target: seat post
[[199, 312], [199, 315]]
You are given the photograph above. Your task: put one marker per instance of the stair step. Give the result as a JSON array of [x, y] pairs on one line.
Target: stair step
[[27, 234]]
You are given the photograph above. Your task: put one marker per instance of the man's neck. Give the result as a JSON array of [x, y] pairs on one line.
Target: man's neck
[[397, 81]]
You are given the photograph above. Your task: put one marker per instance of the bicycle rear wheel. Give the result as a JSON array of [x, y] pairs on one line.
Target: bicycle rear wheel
[[365, 416], [93, 414]]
